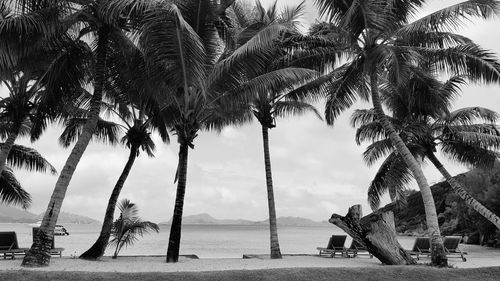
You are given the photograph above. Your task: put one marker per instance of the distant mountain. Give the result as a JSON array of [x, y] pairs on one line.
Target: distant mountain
[[13, 215], [294, 221], [72, 218], [207, 219]]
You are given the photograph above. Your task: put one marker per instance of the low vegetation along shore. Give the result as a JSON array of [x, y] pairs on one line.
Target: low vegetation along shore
[[295, 274]]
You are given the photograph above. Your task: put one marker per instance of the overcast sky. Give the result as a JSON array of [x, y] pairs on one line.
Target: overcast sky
[[317, 169]]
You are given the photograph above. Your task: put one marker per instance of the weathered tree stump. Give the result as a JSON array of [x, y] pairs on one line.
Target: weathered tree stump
[[376, 232]]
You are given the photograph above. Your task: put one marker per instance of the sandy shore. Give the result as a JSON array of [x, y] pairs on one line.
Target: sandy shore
[[477, 257]]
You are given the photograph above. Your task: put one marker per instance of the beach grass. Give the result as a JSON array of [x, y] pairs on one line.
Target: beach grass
[[290, 274]]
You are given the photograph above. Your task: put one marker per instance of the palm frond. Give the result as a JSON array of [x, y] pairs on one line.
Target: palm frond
[[377, 150], [28, 158], [345, 91], [177, 54], [477, 64], [393, 176], [468, 115], [362, 117], [106, 131], [278, 81], [455, 16], [429, 39], [11, 191], [474, 155], [287, 108], [251, 57], [291, 15]]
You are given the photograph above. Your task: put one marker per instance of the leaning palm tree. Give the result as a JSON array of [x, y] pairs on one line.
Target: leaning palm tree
[[199, 73], [11, 190], [270, 86], [105, 23], [421, 117], [137, 137], [378, 41], [128, 227]]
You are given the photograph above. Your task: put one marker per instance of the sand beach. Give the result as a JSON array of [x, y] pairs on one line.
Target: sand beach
[[477, 257]]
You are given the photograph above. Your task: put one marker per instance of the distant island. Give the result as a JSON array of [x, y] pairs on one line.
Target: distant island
[[13, 215], [206, 219]]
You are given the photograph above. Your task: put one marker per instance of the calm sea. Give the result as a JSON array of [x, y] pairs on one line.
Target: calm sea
[[205, 241]]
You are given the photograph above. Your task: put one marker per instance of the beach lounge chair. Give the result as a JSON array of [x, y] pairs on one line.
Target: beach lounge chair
[[422, 246], [451, 246], [53, 251], [9, 246], [335, 245], [357, 248]]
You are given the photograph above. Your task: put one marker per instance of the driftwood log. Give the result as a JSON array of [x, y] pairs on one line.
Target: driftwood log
[[376, 232]]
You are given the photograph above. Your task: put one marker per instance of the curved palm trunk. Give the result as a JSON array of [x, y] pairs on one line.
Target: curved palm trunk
[[97, 250], [275, 245], [174, 240], [458, 189], [7, 146], [39, 253], [438, 255]]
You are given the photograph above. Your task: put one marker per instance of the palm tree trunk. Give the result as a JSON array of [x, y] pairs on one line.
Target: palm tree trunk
[[7, 146], [39, 253], [458, 189], [438, 255], [97, 250], [174, 240], [275, 245]]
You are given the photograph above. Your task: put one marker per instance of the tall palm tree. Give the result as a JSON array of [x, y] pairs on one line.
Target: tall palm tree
[[105, 23], [200, 73], [129, 226], [421, 117], [270, 86], [378, 40], [11, 191]]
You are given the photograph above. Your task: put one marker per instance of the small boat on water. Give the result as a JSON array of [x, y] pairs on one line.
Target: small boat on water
[[58, 230]]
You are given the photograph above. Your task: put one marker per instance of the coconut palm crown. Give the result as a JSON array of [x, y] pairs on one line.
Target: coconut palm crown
[[422, 119]]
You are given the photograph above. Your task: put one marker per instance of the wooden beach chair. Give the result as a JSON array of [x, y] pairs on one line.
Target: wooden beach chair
[[451, 246], [9, 246], [335, 245], [422, 246], [357, 248], [53, 251]]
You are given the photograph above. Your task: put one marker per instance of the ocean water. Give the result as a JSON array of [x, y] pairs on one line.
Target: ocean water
[[205, 241]]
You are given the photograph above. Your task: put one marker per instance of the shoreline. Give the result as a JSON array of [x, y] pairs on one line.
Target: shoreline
[[477, 257]]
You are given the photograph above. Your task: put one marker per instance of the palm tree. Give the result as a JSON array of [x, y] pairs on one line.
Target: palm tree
[[270, 86], [128, 227], [105, 22], [137, 137], [378, 41], [11, 191], [421, 117], [199, 76]]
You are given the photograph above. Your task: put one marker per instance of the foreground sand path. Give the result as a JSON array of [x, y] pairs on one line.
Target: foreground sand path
[[477, 257]]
